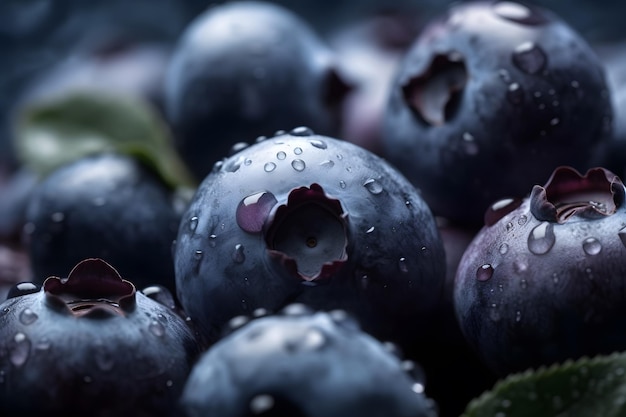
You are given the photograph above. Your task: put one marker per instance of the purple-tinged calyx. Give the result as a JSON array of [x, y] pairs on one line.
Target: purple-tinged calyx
[[568, 194], [93, 288], [308, 235]]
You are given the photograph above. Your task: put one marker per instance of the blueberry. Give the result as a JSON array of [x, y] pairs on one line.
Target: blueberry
[[303, 365], [489, 100], [246, 69], [90, 345], [543, 281], [313, 219], [107, 206]]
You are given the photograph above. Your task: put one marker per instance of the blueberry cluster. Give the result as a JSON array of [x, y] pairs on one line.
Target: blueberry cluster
[[263, 208]]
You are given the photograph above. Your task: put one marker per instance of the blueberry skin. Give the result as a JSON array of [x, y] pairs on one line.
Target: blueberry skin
[[107, 206], [91, 346], [311, 232], [246, 69], [489, 100], [543, 281], [303, 365]]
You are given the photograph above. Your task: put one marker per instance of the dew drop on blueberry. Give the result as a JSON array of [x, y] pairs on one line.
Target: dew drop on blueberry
[[327, 163], [342, 184], [529, 58], [469, 144], [515, 94], [23, 288], [504, 248], [28, 316], [373, 186], [301, 131], [281, 155], [261, 403], [269, 167], [541, 238], [238, 254], [20, 350], [319, 144], [298, 165], [592, 246], [517, 13], [253, 210], [193, 223], [484, 272], [297, 150], [156, 328], [402, 265]]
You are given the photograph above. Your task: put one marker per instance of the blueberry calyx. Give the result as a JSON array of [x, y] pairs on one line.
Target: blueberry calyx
[[93, 288], [434, 95], [569, 194], [308, 235]]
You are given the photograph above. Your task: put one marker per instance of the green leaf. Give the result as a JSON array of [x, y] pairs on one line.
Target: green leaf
[[583, 388], [60, 130]]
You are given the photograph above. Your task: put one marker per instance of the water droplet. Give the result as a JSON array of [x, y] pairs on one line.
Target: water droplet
[[260, 139], [592, 246], [296, 310], [232, 164], [156, 328], [504, 248], [239, 146], [417, 388], [370, 230], [319, 144], [509, 226], [339, 156], [402, 265], [297, 150], [342, 184], [520, 266], [197, 255], [313, 340], [281, 155], [373, 186], [57, 217], [247, 161], [212, 240], [518, 316], [522, 220], [238, 322], [28, 316], [575, 84], [327, 163], [43, 344], [193, 223], [253, 210], [515, 94], [518, 13], [524, 284], [484, 272], [541, 238], [555, 121], [529, 57], [20, 349], [238, 253], [555, 278], [298, 165], [302, 131], [469, 144], [280, 133], [261, 403], [269, 167], [494, 312]]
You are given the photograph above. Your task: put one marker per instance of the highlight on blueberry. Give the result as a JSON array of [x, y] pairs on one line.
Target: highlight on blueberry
[[297, 218], [304, 364], [543, 280], [90, 345]]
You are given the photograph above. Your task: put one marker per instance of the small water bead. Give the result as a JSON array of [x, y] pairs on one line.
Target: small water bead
[[530, 58], [238, 254], [28, 316], [524, 284], [342, 184], [373, 186], [504, 248], [522, 220], [218, 165], [555, 121], [520, 266], [280, 133], [253, 211], [509, 226], [212, 240], [417, 388], [260, 139], [518, 316], [298, 165], [20, 350], [269, 167], [370, 230], [193, 223], [281, 155], [541, 239], [198, 254], [469, 144], [518, 13], [484, 272], [261, 403], [247, 161], [319, 144], [592, 246], [402, 265], [297, 150], [239, 146], [327, 163], [515, 94], [302, 131], [156, 328]]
